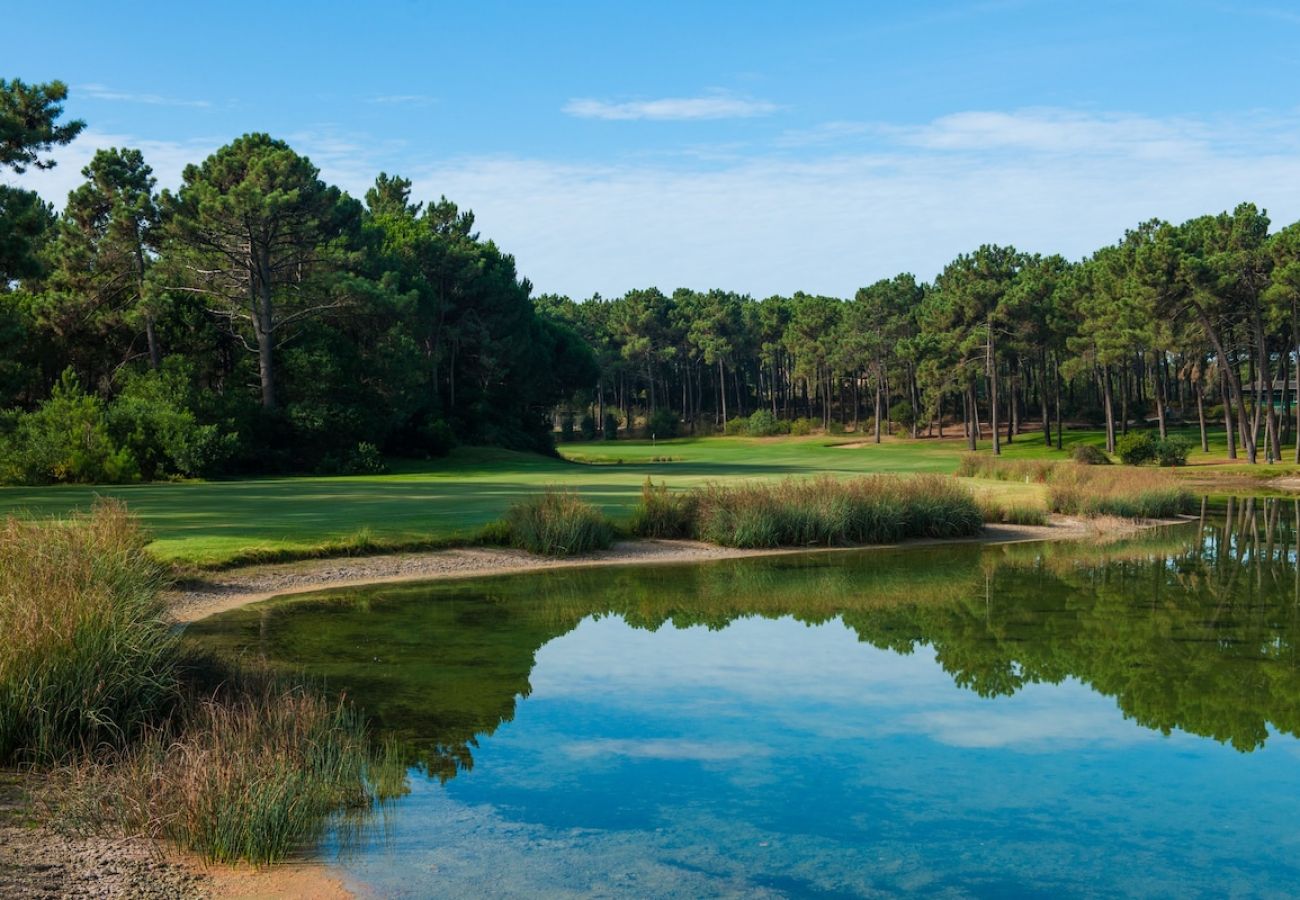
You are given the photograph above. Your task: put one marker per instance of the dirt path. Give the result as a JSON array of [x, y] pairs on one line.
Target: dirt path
[[199, 598]]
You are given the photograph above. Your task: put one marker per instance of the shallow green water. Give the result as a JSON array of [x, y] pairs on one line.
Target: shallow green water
[[1001, 721]]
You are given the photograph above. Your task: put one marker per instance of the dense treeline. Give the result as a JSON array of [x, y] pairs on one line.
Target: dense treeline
[[1192, 322], [255, 319], [259, 319]]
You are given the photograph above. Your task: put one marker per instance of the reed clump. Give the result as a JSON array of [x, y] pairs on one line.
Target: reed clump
[[252, 772], [821, 511], [1089, 490], [665, 514], [1121, 491], [137, 738], [1033, 471], [998, 512], [557, 523], [87, 658]]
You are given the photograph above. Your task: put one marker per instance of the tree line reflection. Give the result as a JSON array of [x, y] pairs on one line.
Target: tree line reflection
[[1193, 628]]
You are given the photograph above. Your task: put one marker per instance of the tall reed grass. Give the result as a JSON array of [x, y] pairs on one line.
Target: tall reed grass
[[665, 514], [557, 523], [93, 685], [253, 772], [816, 511], [1087, 490], [87, 658], [1121, 491]]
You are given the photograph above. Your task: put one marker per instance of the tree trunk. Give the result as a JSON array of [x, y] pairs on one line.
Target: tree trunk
[[1109, 403], [991, 363], [1227, 411], [1200, 414]]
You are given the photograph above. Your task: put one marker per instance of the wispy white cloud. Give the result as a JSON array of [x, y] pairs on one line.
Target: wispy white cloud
[[827, 210], [103, 92], [717, 105]]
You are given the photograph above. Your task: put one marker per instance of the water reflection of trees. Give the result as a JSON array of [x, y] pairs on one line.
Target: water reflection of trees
[[1191, 628]]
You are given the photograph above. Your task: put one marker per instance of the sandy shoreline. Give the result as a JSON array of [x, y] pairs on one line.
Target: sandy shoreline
[[198, 598]]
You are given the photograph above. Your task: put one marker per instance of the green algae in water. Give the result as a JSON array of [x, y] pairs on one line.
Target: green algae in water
[[962, 720]]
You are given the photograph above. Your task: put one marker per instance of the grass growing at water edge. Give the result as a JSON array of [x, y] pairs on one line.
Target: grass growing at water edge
[[816, 511], [557, 523], [93, 685], [87, 658], [1089, 490]]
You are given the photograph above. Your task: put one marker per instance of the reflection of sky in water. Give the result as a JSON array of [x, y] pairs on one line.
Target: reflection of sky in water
[[775, 758]]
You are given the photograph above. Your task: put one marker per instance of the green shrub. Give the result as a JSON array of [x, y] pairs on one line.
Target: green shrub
[[836, 427], [65, 439], [610, 426], [802, 426], [1135, 448], [1089, 455], [737, 425], [557, 523], [764, 424], [566, 427], [587, 428], [663, 423], [1172, 451], [87, 656], [901, 414], [663, 513]]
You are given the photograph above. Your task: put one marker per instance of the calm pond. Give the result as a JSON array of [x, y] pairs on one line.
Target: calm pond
[[1035, 719]]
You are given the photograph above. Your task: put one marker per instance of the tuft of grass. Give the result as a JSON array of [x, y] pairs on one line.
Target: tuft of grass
[[997, 512], [829, 511], [1092, 490], [92, 681], [87, 658], [663, 513], [557, 523], [1031, 471], [252, 772], [1125, 492]]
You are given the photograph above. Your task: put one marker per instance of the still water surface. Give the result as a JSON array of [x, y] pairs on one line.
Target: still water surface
[[1028, 720]]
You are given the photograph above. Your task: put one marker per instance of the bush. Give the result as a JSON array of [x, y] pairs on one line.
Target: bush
[[65, 439], [901, 414], [88, 657], [1135, 448], [764, 424], [663, 513], [1089, 455], [737, 425], [802, 426], [1172, 451], [663, 423], [610, 427], [587, 427], [836, 427], [557, 523], [566, 427], [151, 419]]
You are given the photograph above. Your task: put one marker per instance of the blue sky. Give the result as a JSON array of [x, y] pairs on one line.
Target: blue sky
[[763, 146]]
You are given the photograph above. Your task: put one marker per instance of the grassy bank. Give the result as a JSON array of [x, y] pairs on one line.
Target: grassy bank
[[138, 739]]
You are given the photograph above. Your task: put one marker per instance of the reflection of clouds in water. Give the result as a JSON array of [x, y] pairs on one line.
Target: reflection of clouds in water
[[663, 748], [1032, 725], [799, 675]]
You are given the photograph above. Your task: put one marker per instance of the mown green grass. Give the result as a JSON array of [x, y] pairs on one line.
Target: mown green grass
[[448, 501]]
